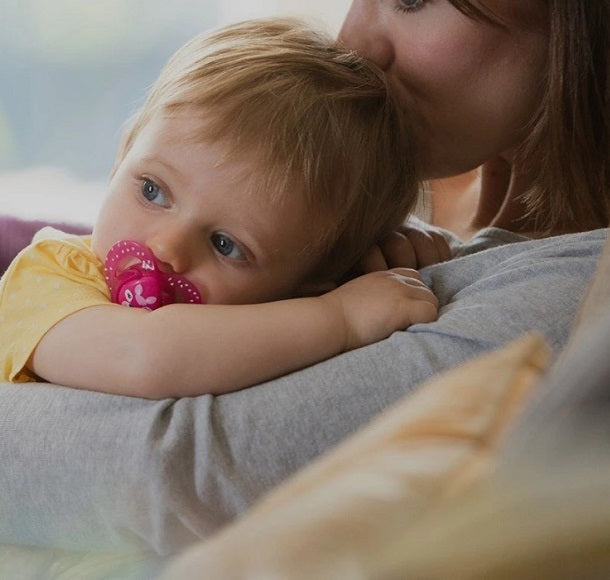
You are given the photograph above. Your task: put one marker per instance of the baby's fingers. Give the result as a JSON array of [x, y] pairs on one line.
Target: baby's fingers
[[409, 275], [421, 304]]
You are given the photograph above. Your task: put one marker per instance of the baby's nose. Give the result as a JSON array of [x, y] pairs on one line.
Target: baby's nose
[[171, 249]]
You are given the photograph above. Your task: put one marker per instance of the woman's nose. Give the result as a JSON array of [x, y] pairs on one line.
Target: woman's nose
[[362, 32], [172, 249]]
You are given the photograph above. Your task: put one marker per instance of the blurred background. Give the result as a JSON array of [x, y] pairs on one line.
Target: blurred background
[[72, 72]]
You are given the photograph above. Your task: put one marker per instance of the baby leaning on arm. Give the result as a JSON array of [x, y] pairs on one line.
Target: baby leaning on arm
[[264, 163]]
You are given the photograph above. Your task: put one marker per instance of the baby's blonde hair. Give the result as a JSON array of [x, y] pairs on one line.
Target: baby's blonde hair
[[318, 120]]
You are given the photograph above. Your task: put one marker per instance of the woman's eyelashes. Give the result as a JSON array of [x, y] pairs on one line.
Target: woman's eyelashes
[[226, 247], [153, 192], [409, 5]]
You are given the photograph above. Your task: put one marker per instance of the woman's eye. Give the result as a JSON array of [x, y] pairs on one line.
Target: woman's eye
[[153, 193], [409, 5], [225, 246]]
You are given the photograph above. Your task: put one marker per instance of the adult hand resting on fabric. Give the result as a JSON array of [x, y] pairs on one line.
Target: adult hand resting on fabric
[[411, 246]]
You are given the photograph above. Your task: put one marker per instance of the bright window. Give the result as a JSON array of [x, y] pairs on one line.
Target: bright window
[[72, 71]]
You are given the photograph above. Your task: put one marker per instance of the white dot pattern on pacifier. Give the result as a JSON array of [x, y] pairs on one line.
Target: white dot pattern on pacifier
[[117, 263], [118, 251], [192, 294]]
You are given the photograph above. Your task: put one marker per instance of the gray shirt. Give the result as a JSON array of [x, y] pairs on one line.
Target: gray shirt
[[84, 470]]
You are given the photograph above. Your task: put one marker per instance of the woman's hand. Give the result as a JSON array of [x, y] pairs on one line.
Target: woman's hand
[[410, 247], [373, 306]]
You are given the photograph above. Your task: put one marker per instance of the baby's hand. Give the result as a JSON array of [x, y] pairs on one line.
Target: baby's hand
[[373, 306]]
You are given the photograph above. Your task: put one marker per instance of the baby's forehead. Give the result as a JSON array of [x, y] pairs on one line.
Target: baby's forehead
[[261, 192], [288, 220]]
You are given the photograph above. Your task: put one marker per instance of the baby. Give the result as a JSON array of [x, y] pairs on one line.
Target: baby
[[263, 165]]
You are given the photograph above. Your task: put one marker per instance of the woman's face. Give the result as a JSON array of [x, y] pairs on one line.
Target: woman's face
[[471, 87]]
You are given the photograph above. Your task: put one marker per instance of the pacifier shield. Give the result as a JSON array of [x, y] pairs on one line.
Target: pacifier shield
[[135, 279]]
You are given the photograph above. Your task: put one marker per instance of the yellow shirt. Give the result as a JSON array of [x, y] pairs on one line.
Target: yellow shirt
[[57, 275]]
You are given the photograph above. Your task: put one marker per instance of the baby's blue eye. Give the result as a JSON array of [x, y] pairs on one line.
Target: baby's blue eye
[[153, 193], [227, 247]]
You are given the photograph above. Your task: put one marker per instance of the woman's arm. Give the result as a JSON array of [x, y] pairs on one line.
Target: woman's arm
[[186, 350], [83, 470]]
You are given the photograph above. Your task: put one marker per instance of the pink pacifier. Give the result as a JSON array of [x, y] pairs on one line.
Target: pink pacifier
[[135, 279]]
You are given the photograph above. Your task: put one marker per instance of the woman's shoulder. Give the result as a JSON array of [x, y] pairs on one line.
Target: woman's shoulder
[[493, 237], [507, 284]]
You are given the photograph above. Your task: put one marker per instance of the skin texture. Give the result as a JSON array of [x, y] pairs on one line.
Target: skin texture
[[471, 86], [472, 89], [176, 196]]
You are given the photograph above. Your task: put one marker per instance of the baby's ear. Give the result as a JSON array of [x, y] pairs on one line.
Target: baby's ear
[[315, 288]]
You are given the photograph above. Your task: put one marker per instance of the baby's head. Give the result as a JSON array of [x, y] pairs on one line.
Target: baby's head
[[311, 119]]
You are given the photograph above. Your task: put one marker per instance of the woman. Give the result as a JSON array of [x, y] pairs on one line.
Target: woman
[[516, 85]]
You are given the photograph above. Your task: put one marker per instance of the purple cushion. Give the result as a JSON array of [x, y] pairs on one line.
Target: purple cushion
[[16, 233]]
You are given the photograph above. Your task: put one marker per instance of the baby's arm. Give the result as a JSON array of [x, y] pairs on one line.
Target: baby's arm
[[186, 350]]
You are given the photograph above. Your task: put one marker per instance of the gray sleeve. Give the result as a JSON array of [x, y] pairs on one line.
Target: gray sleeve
[[84, 470]]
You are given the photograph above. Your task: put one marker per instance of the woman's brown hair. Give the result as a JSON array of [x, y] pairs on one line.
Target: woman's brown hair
[[567, 152]]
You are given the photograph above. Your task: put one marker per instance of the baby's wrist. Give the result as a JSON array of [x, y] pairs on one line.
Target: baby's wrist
[[335, 314]]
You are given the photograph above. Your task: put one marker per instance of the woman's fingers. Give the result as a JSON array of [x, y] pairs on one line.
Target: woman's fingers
[[374, 260], [399, 251], [410, 248]]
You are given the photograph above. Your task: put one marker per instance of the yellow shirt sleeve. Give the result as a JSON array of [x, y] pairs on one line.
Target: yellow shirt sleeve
[[57, 275]]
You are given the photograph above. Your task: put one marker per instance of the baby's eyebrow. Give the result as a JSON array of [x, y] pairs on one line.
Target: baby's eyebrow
[[156, 160]]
